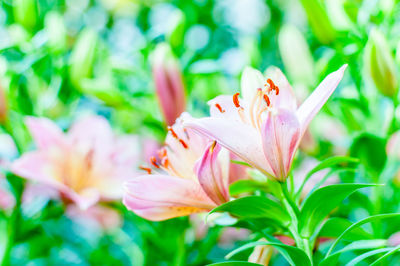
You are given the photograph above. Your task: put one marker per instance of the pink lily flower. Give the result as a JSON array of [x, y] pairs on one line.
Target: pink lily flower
[[265, 126], [85, 165], [191, 176], [169, 84]]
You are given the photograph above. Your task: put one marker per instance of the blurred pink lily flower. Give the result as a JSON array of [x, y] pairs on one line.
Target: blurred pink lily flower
[[194, 177], [169, 84], [85, 165], [265, 126]]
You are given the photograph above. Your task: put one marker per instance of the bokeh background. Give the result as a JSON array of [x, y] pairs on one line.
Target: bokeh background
[[61, 59]]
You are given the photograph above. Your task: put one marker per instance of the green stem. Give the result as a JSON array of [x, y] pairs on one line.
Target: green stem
[[13, 222], [301, 242]]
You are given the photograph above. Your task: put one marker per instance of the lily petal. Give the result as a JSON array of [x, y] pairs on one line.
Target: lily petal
[[165, 197], [44, 132], [281, 136], [286, 98], [317, 99], [241, 139], [251, 80], [226, 108], [92, 132], [212, 178]]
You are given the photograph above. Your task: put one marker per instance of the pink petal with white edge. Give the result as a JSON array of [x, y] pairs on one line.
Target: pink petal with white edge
[[281, 136], [212, 178], [36, 166], [92, 132], [241, 139], [45, 132], [150, 190], [317, 99]]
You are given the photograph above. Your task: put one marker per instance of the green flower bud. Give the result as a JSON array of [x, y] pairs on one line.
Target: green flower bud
[[177, 29], [319, 21], [25, 12], [380, 64], [82, 57], [56, 32], [296, 55]]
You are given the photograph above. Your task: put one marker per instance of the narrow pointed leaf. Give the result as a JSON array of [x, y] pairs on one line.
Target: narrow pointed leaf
[[371, 253], [321, 202], [234, 263], [357, 245], [386, 255], [335, 226], [293, 255], [328, 163], [358, 224], [255, 207]]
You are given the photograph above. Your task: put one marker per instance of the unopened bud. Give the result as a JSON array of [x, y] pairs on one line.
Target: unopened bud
[[297, 58], [261, 255], [25, 12], [169, 84], [82, 57], [380, 64], [319, 21], [55, 30]]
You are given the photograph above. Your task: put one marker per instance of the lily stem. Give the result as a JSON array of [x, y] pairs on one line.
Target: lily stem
[[301, 242]]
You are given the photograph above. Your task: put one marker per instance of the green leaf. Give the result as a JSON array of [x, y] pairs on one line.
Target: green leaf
[[371, 253], [247, 185], [371, 150], [255, 207], [358, 224], [321, 202], [335, 226], [293, 255], [233, 263], [386, 255], [327, 163], [357, 245]]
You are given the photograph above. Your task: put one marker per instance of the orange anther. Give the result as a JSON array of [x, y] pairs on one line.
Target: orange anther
[[236, 99], [147, 169], [183, 143], [266, 99], [170, 129], [219, 108], [162, 152], [153, 161], [277, 90], [165, 162]]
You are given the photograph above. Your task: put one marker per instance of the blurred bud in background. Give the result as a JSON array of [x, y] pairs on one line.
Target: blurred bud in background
[[25, 12], [82, 57], [169, 84], [261, 255], [3, 105], [296, 55], [177, 28], [380, 64], [319, 21], [55, 30]]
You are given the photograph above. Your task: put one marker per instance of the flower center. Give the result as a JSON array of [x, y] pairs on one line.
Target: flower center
[[263, 100]]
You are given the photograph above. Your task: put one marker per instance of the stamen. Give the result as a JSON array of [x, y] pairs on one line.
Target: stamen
[[165, 162], [170, 129], [153, 161], [213, 146], [183, 143], [272, 86], [266, 99], [219, 108], [147, 169], [162, 152], [236, 99]]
